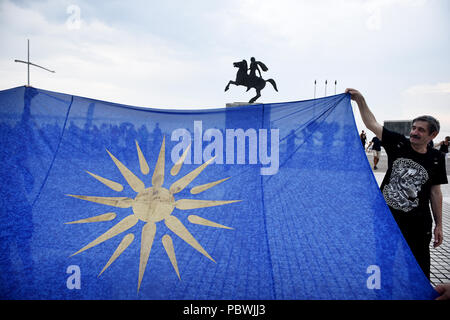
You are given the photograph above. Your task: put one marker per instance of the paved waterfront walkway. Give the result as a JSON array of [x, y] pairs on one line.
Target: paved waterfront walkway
[[440, 256]]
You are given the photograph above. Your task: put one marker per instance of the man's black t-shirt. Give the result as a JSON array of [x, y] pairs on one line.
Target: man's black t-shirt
[[409, 177]]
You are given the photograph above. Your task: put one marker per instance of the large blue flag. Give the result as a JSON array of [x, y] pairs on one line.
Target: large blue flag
[[267, 201]]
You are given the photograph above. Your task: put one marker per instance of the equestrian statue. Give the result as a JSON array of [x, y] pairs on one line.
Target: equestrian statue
[[251, 80]]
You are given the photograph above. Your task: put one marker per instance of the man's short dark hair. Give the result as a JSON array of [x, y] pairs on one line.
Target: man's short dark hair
[[433, 123]]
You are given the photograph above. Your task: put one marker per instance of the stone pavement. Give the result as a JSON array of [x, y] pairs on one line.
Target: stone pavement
[[440, 256]]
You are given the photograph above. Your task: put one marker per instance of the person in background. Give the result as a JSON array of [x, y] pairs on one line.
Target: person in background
[[363, 138], [443, 146], [376, 150]]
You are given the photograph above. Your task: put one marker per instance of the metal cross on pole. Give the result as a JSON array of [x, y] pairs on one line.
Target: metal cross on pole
[[28, 63]]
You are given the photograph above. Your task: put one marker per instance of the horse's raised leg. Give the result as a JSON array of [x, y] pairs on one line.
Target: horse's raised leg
[[228, 85]]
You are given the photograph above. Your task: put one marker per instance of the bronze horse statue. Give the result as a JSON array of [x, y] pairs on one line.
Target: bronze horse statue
[[250, 81]]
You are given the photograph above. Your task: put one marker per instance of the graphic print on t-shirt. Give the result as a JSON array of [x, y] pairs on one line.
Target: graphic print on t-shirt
[[405, 183]]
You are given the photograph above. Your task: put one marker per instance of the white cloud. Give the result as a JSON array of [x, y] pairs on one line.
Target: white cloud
[[375, 8], [425, 89], [433, 99], [300, 22], [95, 59], [180, 53]]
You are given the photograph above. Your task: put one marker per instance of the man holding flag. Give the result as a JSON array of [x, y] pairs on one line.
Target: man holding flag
[[412, 180]]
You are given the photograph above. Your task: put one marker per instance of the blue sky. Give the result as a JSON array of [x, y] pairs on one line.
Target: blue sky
[[179, 54]]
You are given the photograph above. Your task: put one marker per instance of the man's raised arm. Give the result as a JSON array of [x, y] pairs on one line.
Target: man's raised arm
[[367, 116]]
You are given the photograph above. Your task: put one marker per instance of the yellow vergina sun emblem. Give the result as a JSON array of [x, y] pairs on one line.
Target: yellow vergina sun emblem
[[152, 205]]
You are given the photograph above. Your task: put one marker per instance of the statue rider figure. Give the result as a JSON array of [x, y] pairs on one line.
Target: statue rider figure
[[254, 66]]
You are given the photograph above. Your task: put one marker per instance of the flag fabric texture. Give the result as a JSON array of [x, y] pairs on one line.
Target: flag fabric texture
[[266, 201]]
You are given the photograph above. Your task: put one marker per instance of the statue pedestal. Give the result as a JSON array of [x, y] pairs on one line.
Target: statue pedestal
[[240, 118], [238, 104]]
